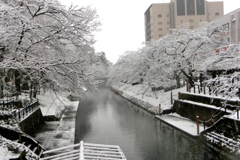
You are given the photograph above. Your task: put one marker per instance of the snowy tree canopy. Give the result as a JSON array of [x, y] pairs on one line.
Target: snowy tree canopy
[[45, 42], [180, 55], [225, 67]]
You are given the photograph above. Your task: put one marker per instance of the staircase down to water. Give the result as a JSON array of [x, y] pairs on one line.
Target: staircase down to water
[[29, 143], [223, 133], [224, 136]]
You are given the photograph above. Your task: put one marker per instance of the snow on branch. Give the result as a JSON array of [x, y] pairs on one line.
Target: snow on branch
[[48, 42]]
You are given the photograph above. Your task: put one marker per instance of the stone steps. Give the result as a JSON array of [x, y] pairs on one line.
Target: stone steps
[[220, 140], [23, 140]]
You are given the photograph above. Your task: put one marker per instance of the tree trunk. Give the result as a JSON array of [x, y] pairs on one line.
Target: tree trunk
[[17, 81], [189, 77]]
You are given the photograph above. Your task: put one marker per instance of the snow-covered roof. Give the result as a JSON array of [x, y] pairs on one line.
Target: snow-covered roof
[[226, 65]]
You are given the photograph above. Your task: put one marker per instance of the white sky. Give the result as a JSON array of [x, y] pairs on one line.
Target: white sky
[[123, 23]]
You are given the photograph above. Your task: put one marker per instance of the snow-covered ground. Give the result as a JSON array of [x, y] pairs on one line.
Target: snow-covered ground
[[159, 97], [153, 98], [50, 104], [164, 98]]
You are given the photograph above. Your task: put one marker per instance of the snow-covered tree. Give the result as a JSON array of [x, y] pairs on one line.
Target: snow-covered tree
[[180, 55], [183, 51], [43, 42], [225, 67], [100, 64]]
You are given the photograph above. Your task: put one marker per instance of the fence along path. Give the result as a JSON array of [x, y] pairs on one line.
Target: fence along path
[[24, 112], [9, 104]]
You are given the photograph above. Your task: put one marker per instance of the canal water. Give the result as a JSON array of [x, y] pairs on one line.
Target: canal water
[[106, 118]]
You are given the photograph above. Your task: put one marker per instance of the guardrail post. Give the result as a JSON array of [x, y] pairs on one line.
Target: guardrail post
[[3, 105], [204, 125], [237, 113], [19, 116], [197, 121], [20, 138], [81, 154], [159, 109]]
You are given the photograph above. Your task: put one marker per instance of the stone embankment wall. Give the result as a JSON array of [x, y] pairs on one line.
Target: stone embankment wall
[[150, 108], [216, 101], [32, 122], [205, 113], [207, 108]]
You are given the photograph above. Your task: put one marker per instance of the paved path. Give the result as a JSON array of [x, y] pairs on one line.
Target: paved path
[[61, 133]]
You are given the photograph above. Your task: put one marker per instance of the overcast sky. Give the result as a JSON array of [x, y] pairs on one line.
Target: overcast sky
[[123, 23]]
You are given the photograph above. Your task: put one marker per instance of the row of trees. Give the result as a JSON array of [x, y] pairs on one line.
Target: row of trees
[[43, 44], [182, 55]]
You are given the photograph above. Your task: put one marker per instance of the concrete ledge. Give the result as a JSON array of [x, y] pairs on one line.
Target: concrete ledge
[[184, 125]]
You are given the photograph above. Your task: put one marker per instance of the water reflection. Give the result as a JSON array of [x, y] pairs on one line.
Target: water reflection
[[106, 118]]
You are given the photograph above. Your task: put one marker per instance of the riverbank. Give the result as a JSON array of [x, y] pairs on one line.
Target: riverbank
[[213, 136], [55, 134], [147, 99], [150, 101]]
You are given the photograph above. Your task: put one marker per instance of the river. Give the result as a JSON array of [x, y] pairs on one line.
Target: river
[[106, 118]]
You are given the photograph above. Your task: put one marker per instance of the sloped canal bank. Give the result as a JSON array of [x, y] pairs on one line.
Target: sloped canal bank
[[107, 118]]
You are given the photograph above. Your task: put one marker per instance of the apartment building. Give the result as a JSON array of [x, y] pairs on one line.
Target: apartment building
[[230, 23], [160, 17]]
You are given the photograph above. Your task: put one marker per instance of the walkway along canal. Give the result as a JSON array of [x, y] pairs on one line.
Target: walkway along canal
[[106, 118]]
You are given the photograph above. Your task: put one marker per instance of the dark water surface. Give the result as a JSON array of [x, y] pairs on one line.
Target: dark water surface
[[106, 118]]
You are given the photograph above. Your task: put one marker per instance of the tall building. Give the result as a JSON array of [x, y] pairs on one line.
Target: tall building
[[230, 23], [160, 17]]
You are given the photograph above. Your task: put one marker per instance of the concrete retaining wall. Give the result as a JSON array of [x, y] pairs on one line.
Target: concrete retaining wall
[[191, 110], [216, 101], [150, 108], [31, 123]]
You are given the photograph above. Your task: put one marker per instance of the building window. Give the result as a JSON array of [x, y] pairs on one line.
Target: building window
[[191, 27], [159, 15], [160, 29], [160, 35], [190, 20], [200, 7], [226, 27], [167, 15], [159, 23], [217, 14], [168, 22], [190, 7], [200, 20], [180, 7]]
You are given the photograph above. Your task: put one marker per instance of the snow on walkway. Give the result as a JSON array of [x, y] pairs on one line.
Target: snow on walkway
[[57, 133], [54, 103], [145, 94], [183, 124]]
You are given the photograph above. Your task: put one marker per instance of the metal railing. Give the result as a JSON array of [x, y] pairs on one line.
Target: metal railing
[[222, 109], [82, 151], [7, 105], [24, 112], [206, 90], [7, 102]]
